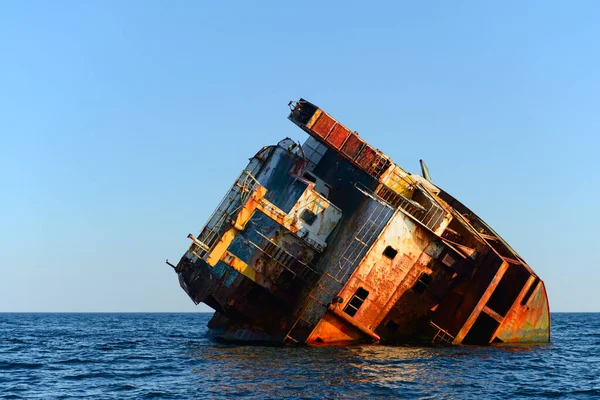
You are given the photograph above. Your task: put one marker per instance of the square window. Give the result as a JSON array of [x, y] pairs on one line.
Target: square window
[[356, 301], [422, 282], [351, 311], [308, 216], [361, 293], [390, 252]]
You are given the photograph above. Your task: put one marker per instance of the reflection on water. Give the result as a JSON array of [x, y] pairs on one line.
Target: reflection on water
[[167, 356], [378, 370]]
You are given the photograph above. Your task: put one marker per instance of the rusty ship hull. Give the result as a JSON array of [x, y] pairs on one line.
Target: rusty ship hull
[[332, 242]]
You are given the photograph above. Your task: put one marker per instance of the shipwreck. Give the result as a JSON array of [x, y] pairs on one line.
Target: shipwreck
[[331, 242]]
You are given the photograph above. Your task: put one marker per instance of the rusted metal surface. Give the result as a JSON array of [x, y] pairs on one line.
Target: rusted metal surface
[[334, 330], [353, 146], [529, 318], [338, 136], [331, 243]]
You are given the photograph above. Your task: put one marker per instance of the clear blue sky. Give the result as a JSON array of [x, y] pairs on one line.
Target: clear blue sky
[[123, 123]]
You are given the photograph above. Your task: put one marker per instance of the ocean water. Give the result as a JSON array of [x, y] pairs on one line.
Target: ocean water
[[167, 356]]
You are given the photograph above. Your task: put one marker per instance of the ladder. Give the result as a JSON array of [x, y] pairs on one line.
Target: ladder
[[319, 299], [323, 293]]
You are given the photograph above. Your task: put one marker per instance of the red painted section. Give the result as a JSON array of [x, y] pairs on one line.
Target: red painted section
[[338, 135], [352, 146], [366, 157], [323, 125]]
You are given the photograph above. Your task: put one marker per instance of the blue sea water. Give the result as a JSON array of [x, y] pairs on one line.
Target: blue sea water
[[167, 356]]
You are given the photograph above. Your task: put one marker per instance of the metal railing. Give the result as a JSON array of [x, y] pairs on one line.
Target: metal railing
[[225, 212], [427, 211], [286, 260]]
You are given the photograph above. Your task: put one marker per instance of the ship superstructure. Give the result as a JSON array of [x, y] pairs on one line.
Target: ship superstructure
[[332, 242]]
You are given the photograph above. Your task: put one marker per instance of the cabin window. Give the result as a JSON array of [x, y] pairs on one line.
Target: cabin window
[[308, 216], [422, 282], [309, 177], [356, 301], [390, 252]]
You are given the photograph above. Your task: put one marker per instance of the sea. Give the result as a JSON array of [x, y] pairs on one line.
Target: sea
[[167, 356]]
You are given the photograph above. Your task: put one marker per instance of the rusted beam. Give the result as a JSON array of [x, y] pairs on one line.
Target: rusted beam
[[480, 304], [493, 314], [241, 220]]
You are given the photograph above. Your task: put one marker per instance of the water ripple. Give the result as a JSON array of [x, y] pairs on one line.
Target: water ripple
[[167, 356]]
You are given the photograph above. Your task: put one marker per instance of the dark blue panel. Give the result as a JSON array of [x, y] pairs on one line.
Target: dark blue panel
[[283, 189], [220, 269], [259, 222]]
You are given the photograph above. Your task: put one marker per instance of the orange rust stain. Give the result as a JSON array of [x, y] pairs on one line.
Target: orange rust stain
[[331, 330], [390, 278], [323, 125], [338, 136], [410, 277], [366, 157], [352, 146]]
